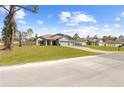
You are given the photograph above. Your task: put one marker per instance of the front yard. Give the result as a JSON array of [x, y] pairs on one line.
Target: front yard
[[106, 48], [27, 54]]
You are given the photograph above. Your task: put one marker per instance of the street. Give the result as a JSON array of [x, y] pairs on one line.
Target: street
[[99, 70]]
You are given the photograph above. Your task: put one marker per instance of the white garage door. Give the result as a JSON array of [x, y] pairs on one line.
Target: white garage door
[[63, 43], [71, 44]]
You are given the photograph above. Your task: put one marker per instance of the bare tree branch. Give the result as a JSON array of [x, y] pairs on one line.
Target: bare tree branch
[[29, 9], [17, 10], [4, 8]]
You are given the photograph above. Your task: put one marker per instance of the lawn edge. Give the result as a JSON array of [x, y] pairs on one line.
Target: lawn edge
[[30, 64]]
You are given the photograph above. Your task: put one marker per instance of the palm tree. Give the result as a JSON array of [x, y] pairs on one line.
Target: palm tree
[[10, 27]]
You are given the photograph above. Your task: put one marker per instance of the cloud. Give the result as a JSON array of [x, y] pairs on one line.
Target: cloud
[[117, 19], [40, 22], [54, 29], [106, 26], [122, 14], [22, 21], [50, 16], [44, 28], [117, 25], [64, 16], [83, 18], [20, 14], [107, 29], [74, 18], [83, 31], [71, 24], [88, 29]]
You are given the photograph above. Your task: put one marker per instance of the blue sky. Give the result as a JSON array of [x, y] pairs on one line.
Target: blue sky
[[70, 19]]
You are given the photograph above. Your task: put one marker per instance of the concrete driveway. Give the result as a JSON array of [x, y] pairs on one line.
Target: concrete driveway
[[100, 70], [92, 50]]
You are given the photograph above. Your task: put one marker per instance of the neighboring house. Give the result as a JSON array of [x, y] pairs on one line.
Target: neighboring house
[[101, 43], [80, 42], [92, 41], [58, 40], [112, 43], [116, 43]]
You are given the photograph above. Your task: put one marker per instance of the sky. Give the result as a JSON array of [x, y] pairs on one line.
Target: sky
[[70, 19]]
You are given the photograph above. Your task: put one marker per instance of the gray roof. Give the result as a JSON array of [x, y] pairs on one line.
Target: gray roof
[[119, 41], [55, 37]]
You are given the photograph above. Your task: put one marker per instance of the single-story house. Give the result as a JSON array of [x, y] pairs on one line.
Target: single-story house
[[80, 42], [116, 43], [57, 39], [101, 43], [92, 41]]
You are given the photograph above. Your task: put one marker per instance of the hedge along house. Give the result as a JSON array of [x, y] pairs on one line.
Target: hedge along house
[[57, 39]]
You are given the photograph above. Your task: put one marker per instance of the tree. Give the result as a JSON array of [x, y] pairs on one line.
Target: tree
[[109, 38], [76, 36], [29, 32], [21, 35], [95, 37], [10, 27], [105, 38], [24, 34], [88, 36], [36, 36], [20, 38], [121, 36]]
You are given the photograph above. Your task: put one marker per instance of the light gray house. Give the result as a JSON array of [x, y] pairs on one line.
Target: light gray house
[[57, 39], [98, 41], [116, 43]]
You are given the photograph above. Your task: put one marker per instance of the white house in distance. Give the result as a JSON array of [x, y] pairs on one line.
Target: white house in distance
[[58, 40]]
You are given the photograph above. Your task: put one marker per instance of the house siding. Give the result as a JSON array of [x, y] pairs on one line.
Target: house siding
[[38, 41], [63, 42]]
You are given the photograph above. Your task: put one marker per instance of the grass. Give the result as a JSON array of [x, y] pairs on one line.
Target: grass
[[27, 54], [106, 48]]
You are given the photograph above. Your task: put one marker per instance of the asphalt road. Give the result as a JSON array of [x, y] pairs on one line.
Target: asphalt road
[[101, 70]]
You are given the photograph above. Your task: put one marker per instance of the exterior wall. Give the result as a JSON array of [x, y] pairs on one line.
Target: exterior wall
[[63, 39], [71, 43], [114, 45], [83, 43], [38, 41], [80, 43], [63, 42], [101, 43]]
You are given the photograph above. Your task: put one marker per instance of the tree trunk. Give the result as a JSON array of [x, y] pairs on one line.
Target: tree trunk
[[20, 39], [10, 30]]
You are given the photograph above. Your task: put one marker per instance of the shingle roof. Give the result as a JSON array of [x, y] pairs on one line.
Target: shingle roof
[[55, 37], [120, 41]]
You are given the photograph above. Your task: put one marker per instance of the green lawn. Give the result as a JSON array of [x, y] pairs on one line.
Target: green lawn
[[106, 48], [39, 53]]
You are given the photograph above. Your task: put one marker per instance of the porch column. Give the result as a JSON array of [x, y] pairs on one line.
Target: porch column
[[46, 42], [51, 43]]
